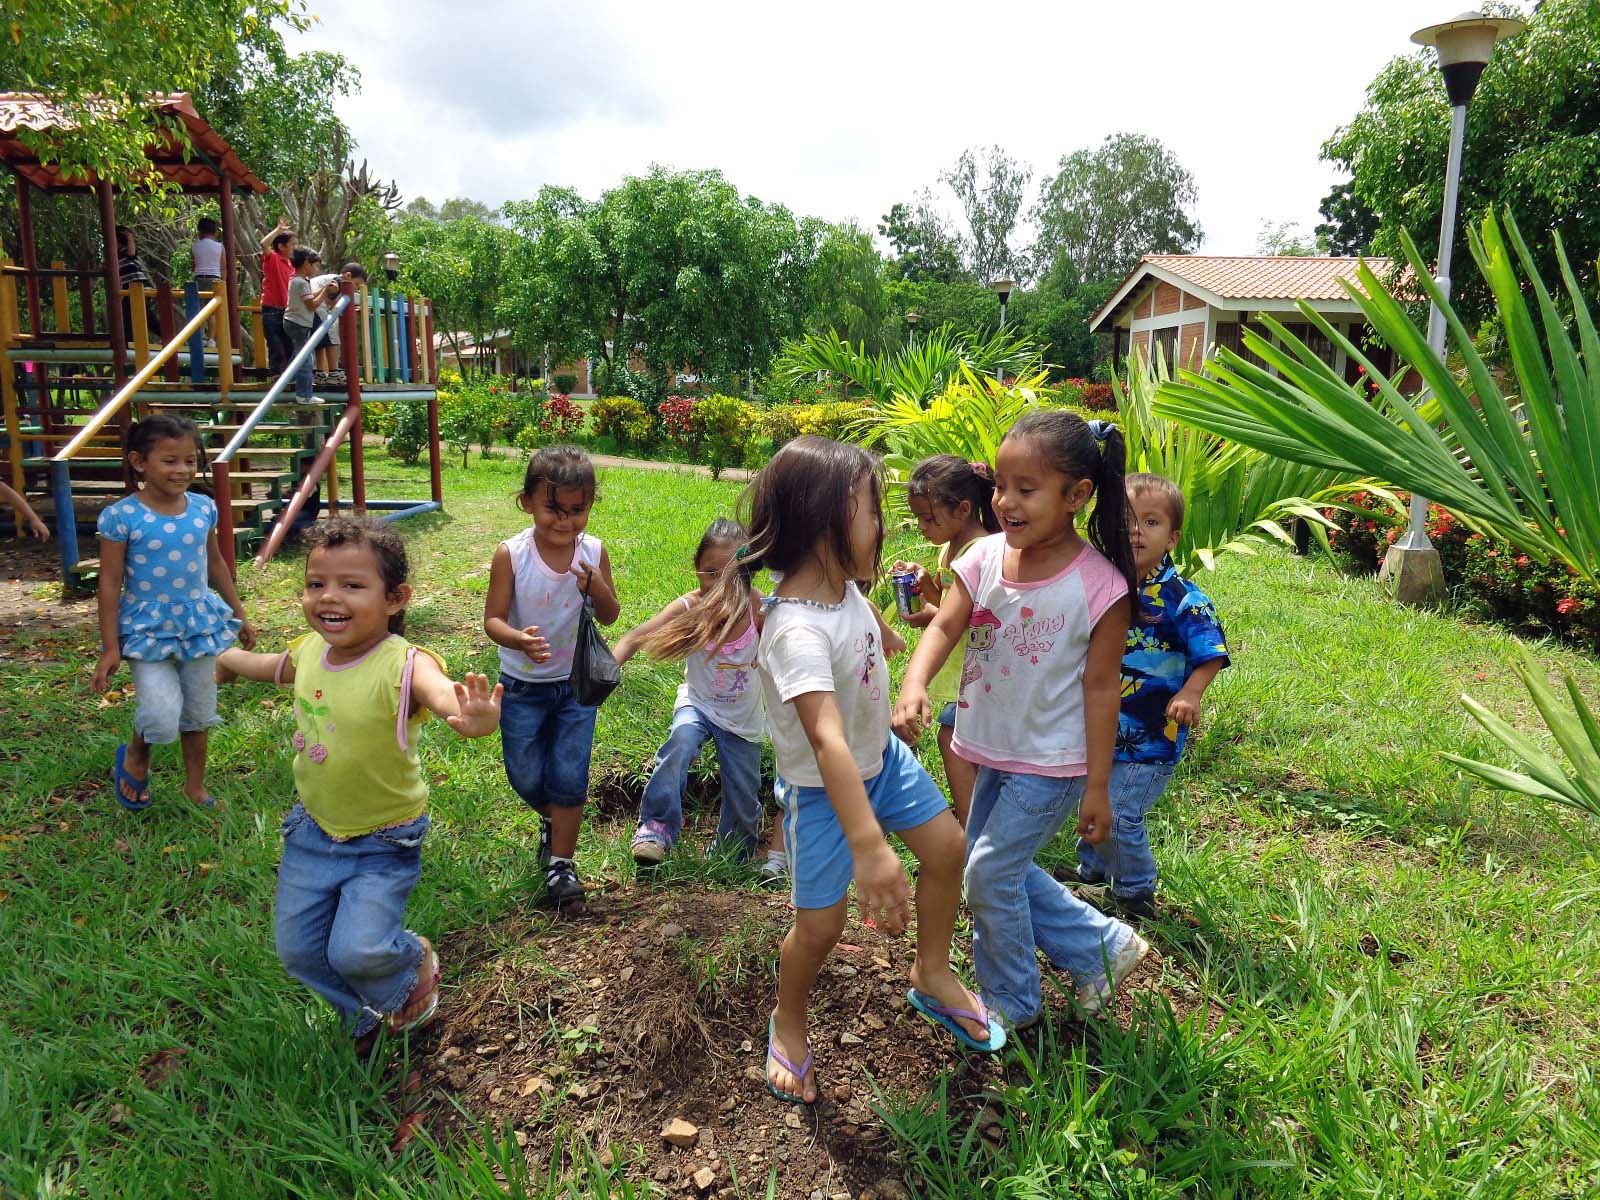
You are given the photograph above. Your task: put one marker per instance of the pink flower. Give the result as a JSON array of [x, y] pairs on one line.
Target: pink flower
[[317, 752], [1569, 605], [299, 740]]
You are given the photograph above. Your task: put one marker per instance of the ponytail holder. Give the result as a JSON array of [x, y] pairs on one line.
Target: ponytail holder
[[980, 468], [1101, 430], [741, 552]]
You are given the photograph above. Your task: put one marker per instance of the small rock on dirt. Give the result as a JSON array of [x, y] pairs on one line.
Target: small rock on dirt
[[704, 1178], [849, 1039], [755, 1075], [730, 1104], [679, 1133], [459, 1078], [842, 1094], [792, 1119], [670, 931], [892, 1189], [874, 1022]]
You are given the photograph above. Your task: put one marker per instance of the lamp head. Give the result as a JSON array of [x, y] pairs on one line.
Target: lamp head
[[1003, 288], [391, 265], [1464, 44], [912, 319]]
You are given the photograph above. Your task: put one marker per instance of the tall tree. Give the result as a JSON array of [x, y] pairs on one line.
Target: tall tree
[[101, 61], [1348, 226], [460, 266], [1283, 239], [1106, 207], [926, 249], [990, 189], [844, 290], [1532, 144]]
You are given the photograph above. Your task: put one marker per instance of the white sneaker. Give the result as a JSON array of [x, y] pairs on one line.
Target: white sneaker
[[775, 868], [1093, 996]]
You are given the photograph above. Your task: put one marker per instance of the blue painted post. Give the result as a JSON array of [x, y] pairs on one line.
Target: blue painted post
[[66, 519], [403, 327], [197, 344]]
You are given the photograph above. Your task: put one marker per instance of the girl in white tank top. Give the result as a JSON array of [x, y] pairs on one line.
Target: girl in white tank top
[[719, 701]]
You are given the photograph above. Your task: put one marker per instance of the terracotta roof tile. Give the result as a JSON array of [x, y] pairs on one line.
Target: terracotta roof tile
[[1252, 277]]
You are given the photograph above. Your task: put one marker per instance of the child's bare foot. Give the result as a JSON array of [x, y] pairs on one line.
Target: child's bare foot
[[199, 797], [948, 990], [790, 1074]]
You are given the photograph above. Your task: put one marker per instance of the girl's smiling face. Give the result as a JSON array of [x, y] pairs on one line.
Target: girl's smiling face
[[939, 523], [1036, 503], [344, 599], [559, 515], [168, 467]]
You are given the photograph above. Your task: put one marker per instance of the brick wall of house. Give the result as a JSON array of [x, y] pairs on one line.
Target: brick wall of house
[[1192, 301], [1167, 298], [1141, 342], [1192, 345]]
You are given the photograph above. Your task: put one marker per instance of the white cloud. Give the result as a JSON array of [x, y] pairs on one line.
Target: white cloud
[[841, 108]]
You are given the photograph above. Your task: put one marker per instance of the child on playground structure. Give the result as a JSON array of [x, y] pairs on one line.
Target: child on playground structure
[[1175, 649], [816, 518], [1044, 616], [330, 365], [26, 517], [537, 584], [352, 843], [159, 561], [303, 313], [952, 501], [277, 268], [719, 701], [205, 260]]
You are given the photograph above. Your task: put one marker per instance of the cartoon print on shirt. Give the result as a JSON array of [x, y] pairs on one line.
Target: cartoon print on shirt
[[867, 646], [980, 629]]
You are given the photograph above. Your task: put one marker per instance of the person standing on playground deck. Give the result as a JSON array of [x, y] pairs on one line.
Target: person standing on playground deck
[[719, 701], [159, 561], [352, 842], [300, 317], [816, 516], [1044, 616], [276, 271], [951, 499], [1175, 649], [537, 584], [205, 260]]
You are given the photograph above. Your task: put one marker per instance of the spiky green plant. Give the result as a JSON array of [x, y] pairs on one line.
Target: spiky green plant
[[918, 372]]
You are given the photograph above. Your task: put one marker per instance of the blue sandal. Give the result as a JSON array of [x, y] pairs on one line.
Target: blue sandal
[[139, 787], [800, 1072], [944, 1016]]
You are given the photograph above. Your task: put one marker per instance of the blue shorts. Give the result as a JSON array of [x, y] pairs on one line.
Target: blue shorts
[[547, 738], [947, 715], [902, 797]]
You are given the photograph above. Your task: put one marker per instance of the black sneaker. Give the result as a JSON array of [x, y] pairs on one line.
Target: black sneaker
[[544, 843], [1075, 875], [1141, 907], [561, 886]]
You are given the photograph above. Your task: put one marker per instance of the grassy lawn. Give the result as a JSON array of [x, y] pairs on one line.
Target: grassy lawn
[[1377, 979]]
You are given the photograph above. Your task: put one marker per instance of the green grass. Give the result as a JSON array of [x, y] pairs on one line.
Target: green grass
[[1390, 985]]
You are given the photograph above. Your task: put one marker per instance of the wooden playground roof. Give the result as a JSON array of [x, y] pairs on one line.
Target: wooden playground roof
[[197, 168]]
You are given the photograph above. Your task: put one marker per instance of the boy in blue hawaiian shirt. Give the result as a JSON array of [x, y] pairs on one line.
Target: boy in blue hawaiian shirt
[[1175, 649]]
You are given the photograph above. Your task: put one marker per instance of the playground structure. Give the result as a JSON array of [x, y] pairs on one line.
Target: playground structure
[[73, 378]]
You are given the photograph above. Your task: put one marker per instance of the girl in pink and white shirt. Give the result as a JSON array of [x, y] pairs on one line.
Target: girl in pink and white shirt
[[1042, 616]]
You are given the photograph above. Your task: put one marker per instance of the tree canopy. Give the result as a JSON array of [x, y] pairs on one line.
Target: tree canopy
[[1532, 143]]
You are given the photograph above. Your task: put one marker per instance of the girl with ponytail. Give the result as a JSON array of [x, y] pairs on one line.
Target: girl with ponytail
[[1042, 616], [815, 516]]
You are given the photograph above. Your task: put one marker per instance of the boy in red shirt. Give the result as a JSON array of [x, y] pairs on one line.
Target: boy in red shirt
[[276, 271]]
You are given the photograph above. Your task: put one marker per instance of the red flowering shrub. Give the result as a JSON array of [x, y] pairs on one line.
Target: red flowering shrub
[[560, 419], [1097, 397], [677, 421]]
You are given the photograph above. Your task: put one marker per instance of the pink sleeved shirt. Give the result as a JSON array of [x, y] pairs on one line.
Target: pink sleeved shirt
[[1021, 702]]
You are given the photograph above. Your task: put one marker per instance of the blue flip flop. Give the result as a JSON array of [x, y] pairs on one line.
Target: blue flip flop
[[945, 1016], [800, 1072], [139, 787]]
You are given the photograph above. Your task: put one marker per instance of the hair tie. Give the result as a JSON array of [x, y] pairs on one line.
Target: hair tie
[[1101, 430], [741, 552], [980, 468]]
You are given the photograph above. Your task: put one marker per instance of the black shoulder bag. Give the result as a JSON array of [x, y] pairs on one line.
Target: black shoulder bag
[[595, 673]]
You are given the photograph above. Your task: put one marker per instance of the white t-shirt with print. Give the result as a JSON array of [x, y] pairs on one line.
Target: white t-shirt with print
[[1021, 702], [549, 599], [810, 647], [206, 256], [721, 682]]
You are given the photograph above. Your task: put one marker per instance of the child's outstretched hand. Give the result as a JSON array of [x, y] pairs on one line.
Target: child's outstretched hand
[[1184, 708], [478, 707], [110, 660], [882, 893], [911, 716], [247, 634], [535, 645], [40, 529]]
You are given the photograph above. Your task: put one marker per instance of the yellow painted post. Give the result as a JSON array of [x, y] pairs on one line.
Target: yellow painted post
[[58, 293], [224, 339], [258, 338], [140, 333], [8, 374], [366, 335]]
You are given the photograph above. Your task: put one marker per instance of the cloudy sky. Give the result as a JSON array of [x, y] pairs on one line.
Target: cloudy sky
[[839, 108]]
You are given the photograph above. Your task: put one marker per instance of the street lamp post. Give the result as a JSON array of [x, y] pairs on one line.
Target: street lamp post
[[911, 330], [1002, 288], [391, 265], [1411, 567]]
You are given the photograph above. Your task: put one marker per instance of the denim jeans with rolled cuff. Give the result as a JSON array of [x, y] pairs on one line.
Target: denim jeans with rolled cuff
[[339, 919], [547, 738], [1018, 907], [1125, 856], [739, 760]]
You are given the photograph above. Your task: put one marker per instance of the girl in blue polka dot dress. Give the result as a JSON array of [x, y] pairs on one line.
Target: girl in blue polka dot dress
[[159, 564]]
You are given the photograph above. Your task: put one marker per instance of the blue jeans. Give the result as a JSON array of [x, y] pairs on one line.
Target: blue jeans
[[340, 912], [1016, 905], [298, 336], [1125, 856], [740, 763], [546, 737]]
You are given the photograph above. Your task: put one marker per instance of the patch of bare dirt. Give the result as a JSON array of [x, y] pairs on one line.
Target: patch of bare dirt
[[639, 1030], [30, 588]]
